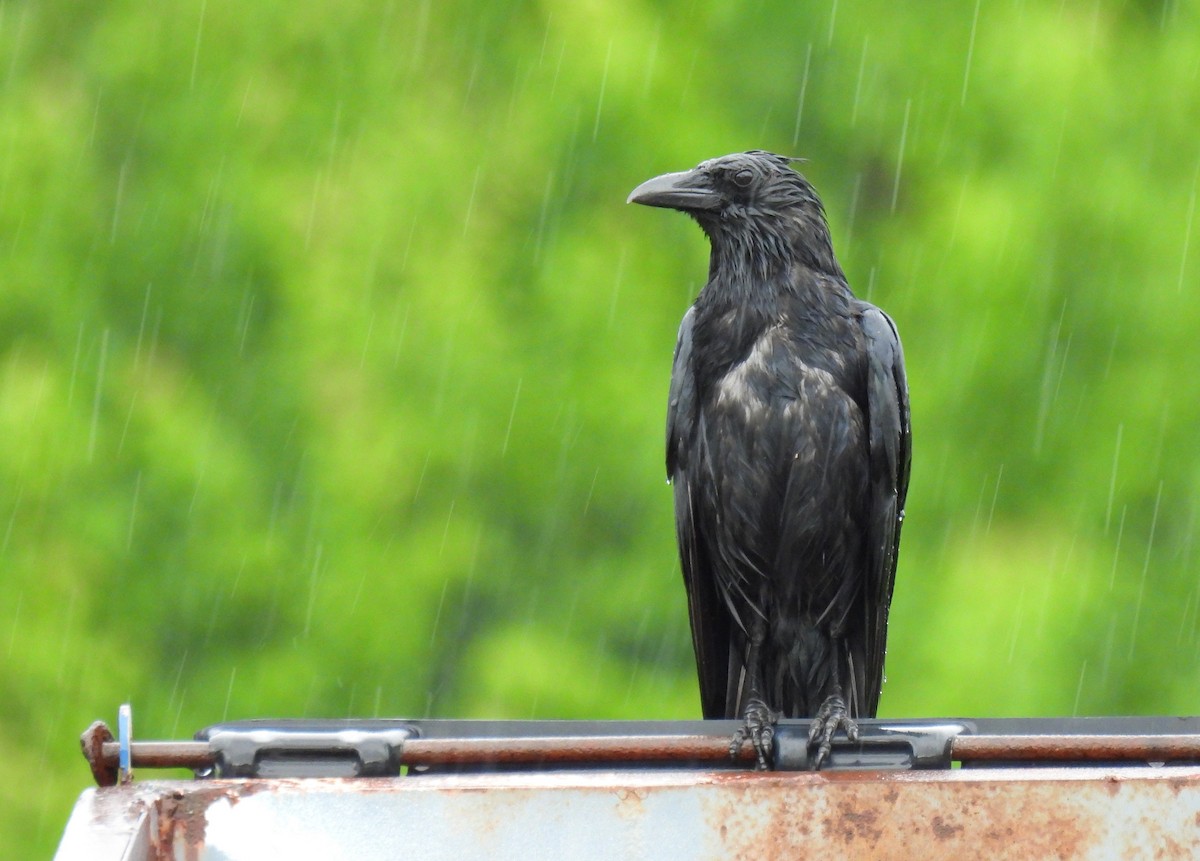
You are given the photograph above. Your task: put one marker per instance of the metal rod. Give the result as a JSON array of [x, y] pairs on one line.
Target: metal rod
[[457, 751], [103, 753], [162, 754], [1086, 748], [571, 749]]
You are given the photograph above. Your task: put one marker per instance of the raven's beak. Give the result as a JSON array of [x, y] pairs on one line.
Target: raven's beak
[[687, 190]]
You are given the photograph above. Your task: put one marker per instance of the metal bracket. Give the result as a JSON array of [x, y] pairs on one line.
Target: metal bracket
[[267, 753], [880, 745]]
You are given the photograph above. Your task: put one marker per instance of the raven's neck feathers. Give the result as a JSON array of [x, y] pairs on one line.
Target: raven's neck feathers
[[757, 257], [779, 268]]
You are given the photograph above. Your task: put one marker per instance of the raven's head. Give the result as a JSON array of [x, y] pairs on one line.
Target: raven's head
[[754, 208]]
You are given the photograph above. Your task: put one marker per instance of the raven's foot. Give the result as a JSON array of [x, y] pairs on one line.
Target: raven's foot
[[759, 729], [830, 718]]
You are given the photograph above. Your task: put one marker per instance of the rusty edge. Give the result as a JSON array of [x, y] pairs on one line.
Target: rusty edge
[[102, 752], [104, 767]]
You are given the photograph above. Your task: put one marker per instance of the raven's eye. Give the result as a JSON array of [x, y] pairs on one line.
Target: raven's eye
[[743, 177]]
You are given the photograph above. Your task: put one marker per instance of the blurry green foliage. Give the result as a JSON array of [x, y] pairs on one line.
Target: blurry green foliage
[[333, 367]]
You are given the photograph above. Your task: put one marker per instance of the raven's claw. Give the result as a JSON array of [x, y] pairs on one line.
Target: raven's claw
[[830, 718], [759, 729]]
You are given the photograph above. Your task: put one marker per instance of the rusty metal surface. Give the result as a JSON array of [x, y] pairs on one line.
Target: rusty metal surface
[[1083, 813], [110, 824]]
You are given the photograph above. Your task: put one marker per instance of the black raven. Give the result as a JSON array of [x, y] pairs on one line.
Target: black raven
[[788, 446]]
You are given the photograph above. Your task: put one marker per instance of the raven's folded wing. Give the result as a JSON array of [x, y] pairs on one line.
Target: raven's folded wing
[[890, 442]]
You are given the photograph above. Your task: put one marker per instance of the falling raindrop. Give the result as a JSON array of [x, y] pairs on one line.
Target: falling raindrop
[[362, 359], [1137, 607], [995, 495], [446, 528], [562, 52], [171, 703], [603, 84], [75, 365], [95, 425], [213, 616], [312, 590], [1051, 379], [120, 193], [1018, 614], [900, 155], [91, 138], [1189, 609], [970, 53], [16, 619], [545, 38], [125, 427], [1112, 350], [591, 489], [962, 198], [229, 694], [511, 415], [412, 229], [420, 31], [847, 243], [543, 213], [399, 329], [862, 69], [137, 489], [178, 715], [652, 58], [1112, 576], [471, 200], [1109, 644], [137, 349], [616, 291], [196, 45], [1187, 234], [687, 79], [800, 100], [437, 616], [12, 519], [1079, 689], [237, 124], [245, 314], [318, 178], [421, 477], [1112, 481]]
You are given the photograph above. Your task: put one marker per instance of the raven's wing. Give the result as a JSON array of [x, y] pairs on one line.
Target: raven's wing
[[890, 442], [681, 399], [707, 613]]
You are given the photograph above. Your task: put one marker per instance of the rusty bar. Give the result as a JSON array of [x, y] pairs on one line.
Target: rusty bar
[[454, 751], [1084, 748], [102, 752], [163, 754], [559, 749]]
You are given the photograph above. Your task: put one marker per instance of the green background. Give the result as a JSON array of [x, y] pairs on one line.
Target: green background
[[333, 365]]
